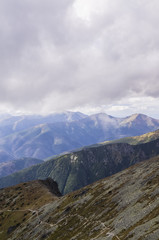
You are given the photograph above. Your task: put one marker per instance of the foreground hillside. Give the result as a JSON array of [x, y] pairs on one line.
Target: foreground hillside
[[53, 138], [78, 169], [123, 206]]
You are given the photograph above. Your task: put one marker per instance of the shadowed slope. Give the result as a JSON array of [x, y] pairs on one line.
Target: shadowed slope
[[78, 169]]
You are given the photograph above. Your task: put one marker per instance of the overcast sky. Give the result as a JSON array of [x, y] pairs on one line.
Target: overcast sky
[[83, 55]]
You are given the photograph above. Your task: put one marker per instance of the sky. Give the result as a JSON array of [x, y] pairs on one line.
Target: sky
[[80, 55]]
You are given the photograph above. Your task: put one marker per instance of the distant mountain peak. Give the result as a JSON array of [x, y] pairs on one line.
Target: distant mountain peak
[[135, 116], [101, 116], [139, 118]]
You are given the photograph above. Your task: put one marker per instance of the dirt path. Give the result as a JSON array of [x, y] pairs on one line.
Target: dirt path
[[105, 229]]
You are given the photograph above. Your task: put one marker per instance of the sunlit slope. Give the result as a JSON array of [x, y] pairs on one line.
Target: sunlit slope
[[21, 203], [147, 137], [123, 206]]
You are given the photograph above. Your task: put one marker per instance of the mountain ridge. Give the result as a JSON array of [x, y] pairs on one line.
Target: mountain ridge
[[77, 169], [45, 140], [147, 137]]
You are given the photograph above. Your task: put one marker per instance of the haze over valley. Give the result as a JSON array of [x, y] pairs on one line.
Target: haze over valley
[[44, 136]]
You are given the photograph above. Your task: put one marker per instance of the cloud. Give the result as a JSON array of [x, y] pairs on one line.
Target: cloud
[[58, 55]]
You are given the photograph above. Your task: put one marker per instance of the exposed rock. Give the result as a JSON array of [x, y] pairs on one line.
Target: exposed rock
[[52, 186]]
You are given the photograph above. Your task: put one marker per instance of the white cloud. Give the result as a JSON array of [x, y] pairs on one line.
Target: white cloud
[[58, 55]]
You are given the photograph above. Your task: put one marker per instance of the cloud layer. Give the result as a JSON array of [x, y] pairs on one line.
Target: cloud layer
[[57, 55]]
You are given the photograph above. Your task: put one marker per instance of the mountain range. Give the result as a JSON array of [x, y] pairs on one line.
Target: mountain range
[[10, 124], [123, 206], [82, 167], [9, 167], [42, 137]]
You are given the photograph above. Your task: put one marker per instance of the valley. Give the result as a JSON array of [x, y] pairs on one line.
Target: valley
[[9, 167]]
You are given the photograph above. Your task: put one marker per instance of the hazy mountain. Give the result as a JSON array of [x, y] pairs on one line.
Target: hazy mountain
[[80, 168], [10, 124], [139, 123], [123, 206], [45, 140], [110, 127], [5, 156], [147, 137], [7, 168]]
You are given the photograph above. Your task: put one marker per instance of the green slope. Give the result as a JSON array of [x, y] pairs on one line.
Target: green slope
[[123, 206], [75, 170]]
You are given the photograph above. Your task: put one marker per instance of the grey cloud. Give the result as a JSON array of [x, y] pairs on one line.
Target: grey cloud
[[51, 57]]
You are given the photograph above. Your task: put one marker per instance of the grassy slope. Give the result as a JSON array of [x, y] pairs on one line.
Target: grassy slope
[[19, 203], [123, 206], [151, 136]]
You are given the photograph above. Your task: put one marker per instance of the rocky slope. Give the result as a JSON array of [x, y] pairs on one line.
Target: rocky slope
[[123, 206], [80, 168]]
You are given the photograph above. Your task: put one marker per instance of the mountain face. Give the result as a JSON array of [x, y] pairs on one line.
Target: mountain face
[[123, 206], [11, 137], [78, 169], [7, 168], [45, 140], [11, 124], [139, 121], [5, 156]]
